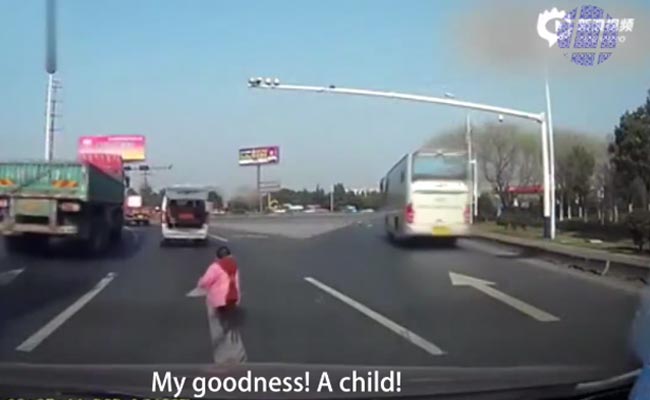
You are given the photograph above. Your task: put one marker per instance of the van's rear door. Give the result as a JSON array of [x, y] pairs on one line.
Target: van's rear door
[[186, 213]]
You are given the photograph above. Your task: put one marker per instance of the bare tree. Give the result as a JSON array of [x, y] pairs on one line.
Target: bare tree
[[497, 151], [529, 159], [452, 139]]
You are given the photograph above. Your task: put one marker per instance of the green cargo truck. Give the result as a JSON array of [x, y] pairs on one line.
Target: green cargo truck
[[39, 200]]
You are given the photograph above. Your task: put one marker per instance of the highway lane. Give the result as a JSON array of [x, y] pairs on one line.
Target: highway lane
[[328, 292]]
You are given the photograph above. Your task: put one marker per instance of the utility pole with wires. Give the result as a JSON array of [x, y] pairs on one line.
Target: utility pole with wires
[[50, 68], [51, 113]]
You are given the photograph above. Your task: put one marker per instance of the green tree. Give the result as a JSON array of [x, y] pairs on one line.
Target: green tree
[[630, 151], [215, 198], [340, 196], [320, 197], [149, 197], [239, 204], [284, 196], [486, 207]]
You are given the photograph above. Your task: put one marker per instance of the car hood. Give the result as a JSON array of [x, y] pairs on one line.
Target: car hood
[[136, 380]]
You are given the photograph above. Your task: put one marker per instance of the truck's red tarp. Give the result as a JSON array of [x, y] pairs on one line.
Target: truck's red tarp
[[108, 163]]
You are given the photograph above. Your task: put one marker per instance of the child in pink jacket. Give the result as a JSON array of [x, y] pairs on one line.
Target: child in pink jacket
[[221, 281]]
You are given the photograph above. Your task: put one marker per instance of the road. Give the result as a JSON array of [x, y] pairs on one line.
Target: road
[[316, 289]]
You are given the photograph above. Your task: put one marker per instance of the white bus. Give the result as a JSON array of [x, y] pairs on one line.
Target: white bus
[[427, 194]]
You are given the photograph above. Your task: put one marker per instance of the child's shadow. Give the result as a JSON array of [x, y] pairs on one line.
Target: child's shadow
[[227, 344]]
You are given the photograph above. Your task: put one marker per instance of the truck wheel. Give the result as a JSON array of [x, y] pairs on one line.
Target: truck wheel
[[15, 244], [116, 234], [99, 238], [116, 228]]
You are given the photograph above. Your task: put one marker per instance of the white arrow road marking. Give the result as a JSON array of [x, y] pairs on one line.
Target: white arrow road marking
[[8, 276], [227, 343], [33, 341], [219, 238], [387, 323], [486, 287]]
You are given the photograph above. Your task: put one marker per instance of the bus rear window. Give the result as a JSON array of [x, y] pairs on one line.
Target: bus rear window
[[439, 167]]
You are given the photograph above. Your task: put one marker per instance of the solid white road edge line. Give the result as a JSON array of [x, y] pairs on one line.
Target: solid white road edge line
[[33, 341], [387, 323]]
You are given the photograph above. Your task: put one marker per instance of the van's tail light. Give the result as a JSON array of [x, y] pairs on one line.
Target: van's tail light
[[69, 207], [466, 214], [409, 213], [4, 203]]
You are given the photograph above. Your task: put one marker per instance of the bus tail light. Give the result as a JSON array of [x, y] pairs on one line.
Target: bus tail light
[[466, 214], [409, 213]]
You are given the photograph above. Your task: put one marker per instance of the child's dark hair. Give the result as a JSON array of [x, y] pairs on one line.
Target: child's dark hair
[[222, 252]]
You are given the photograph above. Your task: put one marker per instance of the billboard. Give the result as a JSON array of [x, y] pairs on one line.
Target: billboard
[[259, 155], [130, 147]]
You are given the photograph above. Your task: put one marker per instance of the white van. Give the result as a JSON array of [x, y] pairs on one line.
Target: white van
[[185, 214], [427, 194]]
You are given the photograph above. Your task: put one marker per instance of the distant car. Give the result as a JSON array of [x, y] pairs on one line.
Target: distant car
[[279, 211], [367, 210]]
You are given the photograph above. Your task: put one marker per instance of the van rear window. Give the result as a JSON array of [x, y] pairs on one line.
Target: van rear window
[[187, 203]]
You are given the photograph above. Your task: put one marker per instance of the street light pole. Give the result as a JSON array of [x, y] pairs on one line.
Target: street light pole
[[259, 187], [49, 119], [468, 138], [551, 160], [50, 68], [541, 118], [474, 188]]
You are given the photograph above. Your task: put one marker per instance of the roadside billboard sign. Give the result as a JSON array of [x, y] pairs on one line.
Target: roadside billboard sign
[[130, 147], [259, 155]]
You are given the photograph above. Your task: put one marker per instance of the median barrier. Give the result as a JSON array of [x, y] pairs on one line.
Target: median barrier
[[598, 262]]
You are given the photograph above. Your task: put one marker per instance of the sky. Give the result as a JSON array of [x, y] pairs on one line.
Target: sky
[[177, 71]]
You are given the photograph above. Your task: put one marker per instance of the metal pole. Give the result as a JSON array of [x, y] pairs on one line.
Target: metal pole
[[475, 188], [468, 138], [547, 208], [49, 119], [403, 96], [551, 161], [259, 190], [332, 199]]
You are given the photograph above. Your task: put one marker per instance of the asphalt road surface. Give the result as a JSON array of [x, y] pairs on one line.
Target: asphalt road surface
[[317, 289]]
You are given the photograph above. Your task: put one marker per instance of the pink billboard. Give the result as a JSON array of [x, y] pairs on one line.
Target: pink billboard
[[130, 147]]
